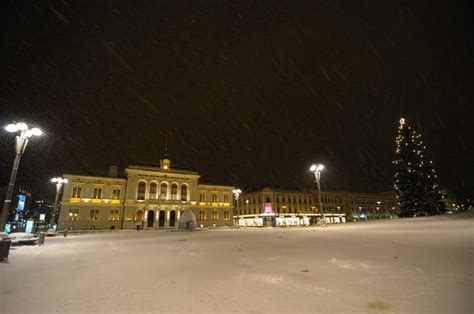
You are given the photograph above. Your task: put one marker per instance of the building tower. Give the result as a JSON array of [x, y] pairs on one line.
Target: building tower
[[165, 163]]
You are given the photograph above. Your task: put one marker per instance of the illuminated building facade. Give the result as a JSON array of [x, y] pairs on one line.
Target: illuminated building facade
[[365, 206], [147, 197], [279, 207]]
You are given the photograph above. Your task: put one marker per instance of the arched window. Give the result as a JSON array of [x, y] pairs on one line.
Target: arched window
[[174, 191], [184, 192], [139, 215], [153, 191], [141, 190], [163, 190]]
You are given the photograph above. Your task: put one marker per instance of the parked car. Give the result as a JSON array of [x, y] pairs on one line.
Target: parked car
[[51, 233]]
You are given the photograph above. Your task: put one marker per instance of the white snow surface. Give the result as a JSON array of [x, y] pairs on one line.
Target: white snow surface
[[422, 265]]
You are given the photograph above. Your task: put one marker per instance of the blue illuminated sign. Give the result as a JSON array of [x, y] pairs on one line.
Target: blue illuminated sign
[[29, 226], [21, 202]]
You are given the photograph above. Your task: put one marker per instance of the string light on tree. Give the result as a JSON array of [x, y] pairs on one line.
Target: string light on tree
[[415, 180]]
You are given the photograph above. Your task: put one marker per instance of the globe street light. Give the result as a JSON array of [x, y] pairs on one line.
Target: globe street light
[[20, 146], [236, 193], [316, 169], [59, 185]]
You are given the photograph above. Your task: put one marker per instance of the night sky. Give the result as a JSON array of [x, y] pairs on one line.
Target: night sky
[[251, 93]]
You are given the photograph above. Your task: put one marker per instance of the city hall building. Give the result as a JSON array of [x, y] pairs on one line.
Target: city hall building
[[146, 197]]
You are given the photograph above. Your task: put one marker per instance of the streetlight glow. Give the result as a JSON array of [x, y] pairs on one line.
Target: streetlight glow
[[20, 146], [316, 169], [11, 128], [22, 126], [59, 185], [236, 193], [36, 132], [59, 180]]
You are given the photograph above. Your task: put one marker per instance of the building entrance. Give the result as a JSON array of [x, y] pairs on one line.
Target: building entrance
[[161, 219], [172, 218], [150, 218], [269, 221]]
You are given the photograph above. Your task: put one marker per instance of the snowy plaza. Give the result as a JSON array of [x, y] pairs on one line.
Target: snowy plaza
[[391, 266]]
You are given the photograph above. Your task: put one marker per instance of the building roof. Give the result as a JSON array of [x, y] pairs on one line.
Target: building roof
[[215, 185], [157, 168], [94, 176]]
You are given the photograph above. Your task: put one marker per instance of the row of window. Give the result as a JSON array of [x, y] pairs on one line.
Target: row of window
[[214, 198], [214, 215], [285, 200], [114, 215], [96, 194], [288, 210], [153, 191], [94, 215]]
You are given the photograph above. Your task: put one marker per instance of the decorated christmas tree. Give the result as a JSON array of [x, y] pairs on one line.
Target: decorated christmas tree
[[416, 181]]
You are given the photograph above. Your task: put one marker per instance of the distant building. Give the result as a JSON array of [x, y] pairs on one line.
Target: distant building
[[148, 196], [364, 206], [280, 207]]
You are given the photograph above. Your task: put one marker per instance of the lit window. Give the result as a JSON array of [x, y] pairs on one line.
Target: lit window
[[94, 216], [174, 191], [184, 192], [164, 190], [97, 193], [116, 194], [153, 191], [139, 215], [202, 215], [215, 215], [226, 215], [114, 215], [73, 215], [141, 190], [76, 192]]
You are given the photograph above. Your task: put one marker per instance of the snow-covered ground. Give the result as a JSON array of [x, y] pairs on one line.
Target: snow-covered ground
[[410, 265]]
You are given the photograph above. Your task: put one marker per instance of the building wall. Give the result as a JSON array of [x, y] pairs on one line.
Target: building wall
[[147, 199], [78, 200], [306, 202]]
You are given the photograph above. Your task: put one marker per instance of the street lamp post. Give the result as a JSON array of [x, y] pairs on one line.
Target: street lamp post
[[236, 193], [316, 169], [59, 185], [20, 146]]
